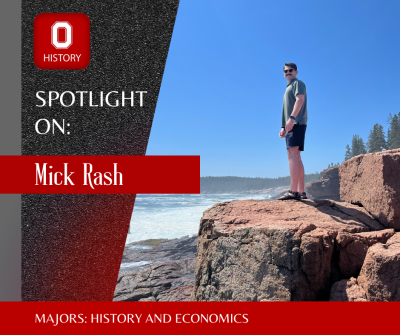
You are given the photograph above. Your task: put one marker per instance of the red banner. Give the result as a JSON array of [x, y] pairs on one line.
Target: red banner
[[197, 317], [100, 174]]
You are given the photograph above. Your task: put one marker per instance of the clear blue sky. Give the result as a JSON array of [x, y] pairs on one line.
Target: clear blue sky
[[222, 90]]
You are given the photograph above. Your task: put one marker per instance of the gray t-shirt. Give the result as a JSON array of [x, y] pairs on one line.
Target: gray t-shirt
[[295, 87]]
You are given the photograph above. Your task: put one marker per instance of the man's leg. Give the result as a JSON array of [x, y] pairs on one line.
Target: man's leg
[[301, 177], [296, 168]]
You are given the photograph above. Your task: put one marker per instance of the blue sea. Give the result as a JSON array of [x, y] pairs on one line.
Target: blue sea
[[174, 215]]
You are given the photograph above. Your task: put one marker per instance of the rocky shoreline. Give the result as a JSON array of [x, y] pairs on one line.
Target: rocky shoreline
[[157, 270], [281, 250], [310, 250]]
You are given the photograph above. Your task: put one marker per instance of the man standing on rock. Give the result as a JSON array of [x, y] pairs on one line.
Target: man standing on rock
[[294, 124]]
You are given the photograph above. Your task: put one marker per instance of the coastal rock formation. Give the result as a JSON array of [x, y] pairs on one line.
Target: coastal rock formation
[[352, 249], [308, 250], [379, 279], [373, 181], [327, 187], [157, 270], [277, 250], [347, 290], [166, 281], [284, 250], [380, 274]]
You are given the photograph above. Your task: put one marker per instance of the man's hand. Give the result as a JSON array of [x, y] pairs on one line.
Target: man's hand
[[289, 125], [282, 133]]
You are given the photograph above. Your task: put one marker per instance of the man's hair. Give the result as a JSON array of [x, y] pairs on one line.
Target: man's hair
[[292, 65]]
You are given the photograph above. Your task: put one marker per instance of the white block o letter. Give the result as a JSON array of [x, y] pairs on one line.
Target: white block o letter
[[54, 34]]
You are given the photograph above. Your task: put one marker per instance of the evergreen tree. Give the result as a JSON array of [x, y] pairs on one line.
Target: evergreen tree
[[389, 132], [376, 139], [362, 147], [354, 146], [398, 132], [357, 146], [393, 134], [348, 153]]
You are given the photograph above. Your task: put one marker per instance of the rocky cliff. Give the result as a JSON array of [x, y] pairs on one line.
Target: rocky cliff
[[379, 279], [279, 250], [307, 250], [373, 181]]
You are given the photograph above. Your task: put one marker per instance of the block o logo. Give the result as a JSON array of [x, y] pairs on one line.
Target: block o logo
[[61, 41], [55, 38]]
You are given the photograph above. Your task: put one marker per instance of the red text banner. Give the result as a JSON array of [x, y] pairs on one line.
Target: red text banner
[[197, 317], [99, 174]]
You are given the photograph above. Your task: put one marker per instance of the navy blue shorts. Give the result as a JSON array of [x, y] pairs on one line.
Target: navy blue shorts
[[295, 137]]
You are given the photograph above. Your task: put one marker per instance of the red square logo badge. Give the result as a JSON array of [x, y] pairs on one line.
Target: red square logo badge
[[61, 41]]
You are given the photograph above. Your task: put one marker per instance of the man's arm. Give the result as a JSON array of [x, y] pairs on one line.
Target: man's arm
[[298, 104], [296, 109]]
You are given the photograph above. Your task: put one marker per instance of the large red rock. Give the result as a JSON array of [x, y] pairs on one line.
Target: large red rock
[[373, 181], [273, 250], [380, 273], [347, 290], [352, 249]]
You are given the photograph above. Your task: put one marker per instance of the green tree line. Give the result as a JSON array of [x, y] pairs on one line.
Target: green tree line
[[215, 185], [376, 139]]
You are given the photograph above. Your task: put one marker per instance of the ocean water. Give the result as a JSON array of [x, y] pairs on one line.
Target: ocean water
[[174, 215]]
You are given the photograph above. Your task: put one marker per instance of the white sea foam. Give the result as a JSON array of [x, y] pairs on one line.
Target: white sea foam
[[174, 215], [134, 264], [140, 247]]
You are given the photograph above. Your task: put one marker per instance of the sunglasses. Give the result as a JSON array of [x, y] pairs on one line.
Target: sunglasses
[[286, 71]]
